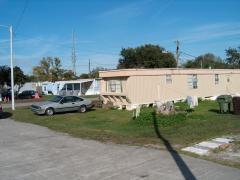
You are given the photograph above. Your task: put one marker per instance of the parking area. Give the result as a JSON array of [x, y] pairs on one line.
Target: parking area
[[32, 152]]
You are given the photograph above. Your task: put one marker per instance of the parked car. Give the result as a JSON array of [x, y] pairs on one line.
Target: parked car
[[7, 94], [29, 94], [1, 111], [61, 104]]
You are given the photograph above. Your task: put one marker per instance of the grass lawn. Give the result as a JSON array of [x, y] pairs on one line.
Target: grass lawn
[[119, 127]]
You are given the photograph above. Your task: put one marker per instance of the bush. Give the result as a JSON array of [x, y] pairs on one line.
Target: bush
[[169, 120], [146, 118]]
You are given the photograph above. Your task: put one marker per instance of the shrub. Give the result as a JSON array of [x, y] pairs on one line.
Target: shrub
[[146, 118], [168, 120]]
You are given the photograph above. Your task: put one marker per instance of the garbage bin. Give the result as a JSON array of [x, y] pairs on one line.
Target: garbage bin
[[224, 102], [236, 105]]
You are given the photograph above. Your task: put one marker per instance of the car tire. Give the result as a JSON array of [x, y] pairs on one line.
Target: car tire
[[82, 109], [49, 111]]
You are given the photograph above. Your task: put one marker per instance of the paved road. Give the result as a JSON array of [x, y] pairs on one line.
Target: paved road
[[32, 152]]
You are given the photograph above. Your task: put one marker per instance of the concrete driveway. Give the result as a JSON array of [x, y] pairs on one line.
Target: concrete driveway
[[32, 152]]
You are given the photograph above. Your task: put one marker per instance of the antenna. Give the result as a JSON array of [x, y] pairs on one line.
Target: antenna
[[74, 57]]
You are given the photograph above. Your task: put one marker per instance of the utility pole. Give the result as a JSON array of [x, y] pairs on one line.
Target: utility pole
[[74, 57], [202, 61], [11, 62], [89, 66], [177, 52]]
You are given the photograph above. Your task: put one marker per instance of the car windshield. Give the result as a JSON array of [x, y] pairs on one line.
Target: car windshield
[[56, 99]]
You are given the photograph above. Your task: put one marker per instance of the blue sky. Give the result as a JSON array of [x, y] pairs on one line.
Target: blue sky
[[104, 27]]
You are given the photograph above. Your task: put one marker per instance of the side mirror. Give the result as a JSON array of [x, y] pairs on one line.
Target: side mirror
[[61, 102]]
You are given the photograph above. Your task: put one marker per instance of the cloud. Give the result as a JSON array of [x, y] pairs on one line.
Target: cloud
[[128, 10], [210, 32]]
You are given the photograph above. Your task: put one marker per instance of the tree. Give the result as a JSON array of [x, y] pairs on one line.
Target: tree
[[5, 76], [56, 72], [207, 60], [69, 75], [84, 76], [49, 69], [233, 57], [42, 72], [93, 74], [19, 78], [146, 56]]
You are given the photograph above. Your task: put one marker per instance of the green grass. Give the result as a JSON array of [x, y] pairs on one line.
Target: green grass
[[119, 127]]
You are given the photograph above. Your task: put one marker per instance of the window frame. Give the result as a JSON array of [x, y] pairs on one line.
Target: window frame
[[216, 79], [168, 79], [114, 86]]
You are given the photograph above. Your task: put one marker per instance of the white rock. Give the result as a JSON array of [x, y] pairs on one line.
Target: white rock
[[223, 140], [209, 144], [196, 150]]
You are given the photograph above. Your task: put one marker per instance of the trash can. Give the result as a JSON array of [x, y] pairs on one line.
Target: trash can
[[236, 105], [224, 102]]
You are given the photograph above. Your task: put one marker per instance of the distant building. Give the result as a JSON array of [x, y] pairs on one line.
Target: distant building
[[72, 87], [130, 87]]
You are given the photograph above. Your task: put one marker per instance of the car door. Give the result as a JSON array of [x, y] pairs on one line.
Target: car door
[[79, 101], [68, 104]]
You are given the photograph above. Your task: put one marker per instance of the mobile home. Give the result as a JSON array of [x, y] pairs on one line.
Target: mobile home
[[74, 87], [130, 87]]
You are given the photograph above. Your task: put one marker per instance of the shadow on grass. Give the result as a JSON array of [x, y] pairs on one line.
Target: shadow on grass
[[186, 172], [214, 110], [218, 111], [69, 112], [5, 115]]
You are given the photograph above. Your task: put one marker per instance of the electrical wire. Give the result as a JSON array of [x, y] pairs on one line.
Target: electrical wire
[[19, 20]]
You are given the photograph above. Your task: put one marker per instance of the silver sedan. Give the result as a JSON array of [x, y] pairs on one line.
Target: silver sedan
[[61, 104]]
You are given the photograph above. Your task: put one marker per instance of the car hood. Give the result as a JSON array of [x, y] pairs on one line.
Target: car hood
[[43, 103]]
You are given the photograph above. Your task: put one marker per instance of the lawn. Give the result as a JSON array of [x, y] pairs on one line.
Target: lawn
[[119, 127]]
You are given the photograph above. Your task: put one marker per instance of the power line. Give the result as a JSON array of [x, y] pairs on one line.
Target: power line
[[21, 16], [188, 54]]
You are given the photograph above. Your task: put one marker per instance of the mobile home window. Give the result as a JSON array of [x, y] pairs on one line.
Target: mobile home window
[[169, 79], [193, 81], [69, 87], [216, 78], [76, 86], [115, 86]]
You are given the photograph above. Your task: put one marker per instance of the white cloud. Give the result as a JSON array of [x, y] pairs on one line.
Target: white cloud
[[210, 32], [128, 10]]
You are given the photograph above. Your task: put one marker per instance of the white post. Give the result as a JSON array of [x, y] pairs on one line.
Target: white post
[[11, 60]]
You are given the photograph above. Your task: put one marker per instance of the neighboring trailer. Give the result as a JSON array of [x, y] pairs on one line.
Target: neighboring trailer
[[130, 87], [75, 87]]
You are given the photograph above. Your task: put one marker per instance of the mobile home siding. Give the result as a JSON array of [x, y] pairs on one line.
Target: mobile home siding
[[145, 86]]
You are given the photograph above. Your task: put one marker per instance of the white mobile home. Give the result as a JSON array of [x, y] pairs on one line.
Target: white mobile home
[[75, 87]]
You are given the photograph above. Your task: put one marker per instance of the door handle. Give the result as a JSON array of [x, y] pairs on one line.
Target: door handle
[[73, 103]]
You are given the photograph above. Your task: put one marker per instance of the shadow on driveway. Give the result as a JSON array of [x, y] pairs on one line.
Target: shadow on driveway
[[186, 172]]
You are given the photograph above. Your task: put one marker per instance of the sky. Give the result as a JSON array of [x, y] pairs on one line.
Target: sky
[[103, 27]]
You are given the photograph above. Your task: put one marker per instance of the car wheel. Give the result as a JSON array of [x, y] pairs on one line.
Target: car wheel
[[49, 111], [82, 109]]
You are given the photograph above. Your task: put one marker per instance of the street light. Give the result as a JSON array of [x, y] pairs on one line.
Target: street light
[[11, 61]]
